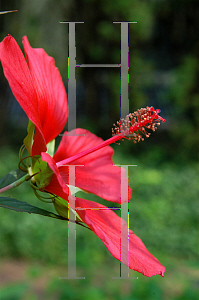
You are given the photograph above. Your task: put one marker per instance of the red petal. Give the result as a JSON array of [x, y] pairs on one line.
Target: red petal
[[39, 90], [57, 185], [107, 226], [51, 93], [98, 175]]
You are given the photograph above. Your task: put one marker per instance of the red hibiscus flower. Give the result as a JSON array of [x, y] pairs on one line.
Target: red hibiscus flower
[[37, 85]]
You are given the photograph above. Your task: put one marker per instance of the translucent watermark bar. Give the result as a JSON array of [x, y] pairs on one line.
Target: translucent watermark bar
[[71, 230], [124, 110], [124, 73], [124, 266]]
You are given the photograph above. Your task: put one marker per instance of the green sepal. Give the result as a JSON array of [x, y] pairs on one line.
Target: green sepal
[[28, 141], [61, 207], [43, 172]]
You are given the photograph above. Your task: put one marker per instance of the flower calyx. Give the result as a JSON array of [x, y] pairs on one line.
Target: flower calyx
[[40, 172]]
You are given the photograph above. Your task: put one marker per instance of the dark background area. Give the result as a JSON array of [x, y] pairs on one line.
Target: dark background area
[[163, 211], [163, 71]]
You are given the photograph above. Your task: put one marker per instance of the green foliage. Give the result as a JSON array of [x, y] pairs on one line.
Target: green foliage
[[14, 292], [163, 210], [20, 206], [166, 199], [163, 213]]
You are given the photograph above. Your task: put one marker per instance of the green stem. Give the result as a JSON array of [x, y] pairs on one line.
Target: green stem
[[15, 183]]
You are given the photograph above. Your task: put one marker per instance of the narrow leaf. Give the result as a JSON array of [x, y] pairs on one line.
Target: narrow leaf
[[11, 177], [20, 206]]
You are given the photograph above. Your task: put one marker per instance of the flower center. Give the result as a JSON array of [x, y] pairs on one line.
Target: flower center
[[132, 127], [135, 124]]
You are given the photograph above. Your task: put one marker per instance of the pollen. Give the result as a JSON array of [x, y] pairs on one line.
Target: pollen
[[136, 125]]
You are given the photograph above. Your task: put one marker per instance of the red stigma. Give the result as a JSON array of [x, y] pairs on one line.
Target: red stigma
[[135, 124]]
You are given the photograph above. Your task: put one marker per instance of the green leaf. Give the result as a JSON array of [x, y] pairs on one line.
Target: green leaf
[[11, 177], [61, 207], [20, 206]]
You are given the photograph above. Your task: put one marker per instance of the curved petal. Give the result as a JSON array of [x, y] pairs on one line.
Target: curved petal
[[51, 93], [98, 174], [18, 75], [38, 88], [57, 185], [107, 226]]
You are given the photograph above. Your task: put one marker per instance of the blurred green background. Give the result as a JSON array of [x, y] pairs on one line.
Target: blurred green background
[[163, 72]]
